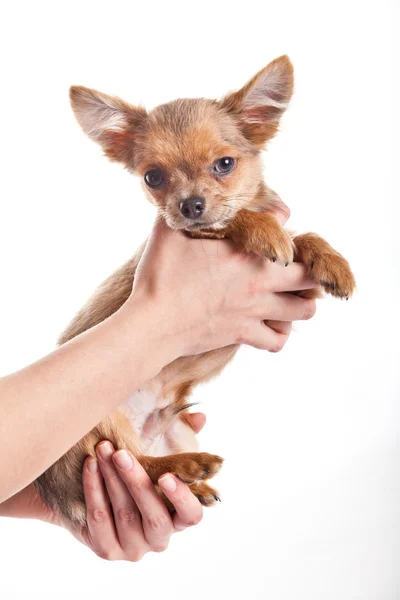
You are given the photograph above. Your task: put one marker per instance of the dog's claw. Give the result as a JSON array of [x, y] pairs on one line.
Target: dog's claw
[[273, 259], [217, 498]]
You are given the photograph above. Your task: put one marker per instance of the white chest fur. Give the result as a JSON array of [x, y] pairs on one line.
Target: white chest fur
[[140, 406], [160, 431]]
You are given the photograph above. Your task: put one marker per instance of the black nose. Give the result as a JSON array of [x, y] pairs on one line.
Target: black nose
[[192, 208]]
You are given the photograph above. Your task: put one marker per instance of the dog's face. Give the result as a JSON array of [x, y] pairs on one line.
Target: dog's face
[[198, 159]]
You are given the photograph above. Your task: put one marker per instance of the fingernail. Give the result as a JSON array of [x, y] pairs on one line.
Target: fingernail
[[123, 460], [106, 450], [92, 465], [167, 482]]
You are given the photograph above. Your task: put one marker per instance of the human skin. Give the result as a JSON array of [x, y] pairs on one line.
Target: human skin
[[132, 520], [232, 298]]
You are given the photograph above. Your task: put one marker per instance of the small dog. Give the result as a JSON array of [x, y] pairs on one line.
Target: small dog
[[199, 161]]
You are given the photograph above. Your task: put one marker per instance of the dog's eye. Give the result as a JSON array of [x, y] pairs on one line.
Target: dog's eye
[[154, 178], [224, 165]]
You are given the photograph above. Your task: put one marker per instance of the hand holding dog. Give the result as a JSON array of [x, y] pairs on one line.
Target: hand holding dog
[[141, 523], [137, 521], [212, 296], [134, 521]]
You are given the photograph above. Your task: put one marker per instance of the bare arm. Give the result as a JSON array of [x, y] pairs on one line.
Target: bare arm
[[48, 406]]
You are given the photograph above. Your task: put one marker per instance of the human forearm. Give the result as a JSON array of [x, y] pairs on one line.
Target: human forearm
[[51, 404], [26, 504]]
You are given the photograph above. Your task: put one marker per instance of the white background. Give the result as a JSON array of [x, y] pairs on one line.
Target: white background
[[310, 487]]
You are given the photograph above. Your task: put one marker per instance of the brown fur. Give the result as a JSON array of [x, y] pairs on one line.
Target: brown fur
[[184, 138]]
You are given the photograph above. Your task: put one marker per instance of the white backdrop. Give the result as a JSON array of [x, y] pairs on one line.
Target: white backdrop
[[310, 489]]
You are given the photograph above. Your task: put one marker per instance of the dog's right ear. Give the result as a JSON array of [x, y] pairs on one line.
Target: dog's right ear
[[109, 121]]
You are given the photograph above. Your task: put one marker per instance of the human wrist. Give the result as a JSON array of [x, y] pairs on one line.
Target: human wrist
[[150, 331]]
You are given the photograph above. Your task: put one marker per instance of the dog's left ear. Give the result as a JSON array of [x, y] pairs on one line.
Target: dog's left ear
[[260, 104]]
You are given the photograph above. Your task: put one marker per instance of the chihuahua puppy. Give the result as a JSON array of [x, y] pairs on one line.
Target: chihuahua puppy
[[199, 161]]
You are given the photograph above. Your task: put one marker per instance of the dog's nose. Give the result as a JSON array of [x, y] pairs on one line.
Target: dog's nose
[[192, 208]]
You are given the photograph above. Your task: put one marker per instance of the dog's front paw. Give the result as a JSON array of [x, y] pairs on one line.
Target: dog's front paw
[[205, 494], [262, 235], [334, 274], [196, 466], [188, 466], [326, 265], [274, 243]]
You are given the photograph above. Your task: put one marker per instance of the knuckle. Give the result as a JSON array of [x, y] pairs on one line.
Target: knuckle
[[241, 339], [243, 336], [105, 554], [310, 307], [111, 477], [137, 485], [160, 547], [127, 515], [157, 522], [252, 288], [195, 520], [90, 487], [278, 344], [98, 515], [135, 556]]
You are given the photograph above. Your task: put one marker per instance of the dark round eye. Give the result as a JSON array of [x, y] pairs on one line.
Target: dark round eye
[[224, 165], [154, 178]]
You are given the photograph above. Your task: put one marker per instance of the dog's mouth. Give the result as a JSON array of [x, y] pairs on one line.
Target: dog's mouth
[[210, 223], [206, 221], [202, 225]]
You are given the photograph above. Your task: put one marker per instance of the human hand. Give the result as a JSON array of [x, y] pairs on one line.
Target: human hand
[[142, 523], [137, 521], [205, 295]]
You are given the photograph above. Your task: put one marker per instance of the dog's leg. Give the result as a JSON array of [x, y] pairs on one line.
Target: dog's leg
[[261, 234], [188, 466], [325, 264], [205, 494], [192, 468], [255, 232]]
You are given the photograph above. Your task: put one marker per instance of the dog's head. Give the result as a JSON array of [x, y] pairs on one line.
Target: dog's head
[[198, 159]]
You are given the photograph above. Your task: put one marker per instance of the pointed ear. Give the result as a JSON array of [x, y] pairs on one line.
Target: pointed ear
[[260, 104], [109, 121]]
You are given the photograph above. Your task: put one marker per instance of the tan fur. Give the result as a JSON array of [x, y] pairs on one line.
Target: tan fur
[[183, 139]]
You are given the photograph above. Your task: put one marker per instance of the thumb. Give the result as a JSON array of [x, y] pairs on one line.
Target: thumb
[[196, 421], [281, 212], [159, 233], [159, 246]]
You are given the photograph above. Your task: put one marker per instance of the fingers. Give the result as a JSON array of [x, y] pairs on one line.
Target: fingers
[[189, 511], [265, 338], [197, 421], [139, 520], [281, 211], [163, 242], [156, 521], [103, 537], [288, 307], [166, 242], [292, 278], [280, 326], [126, 514]]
